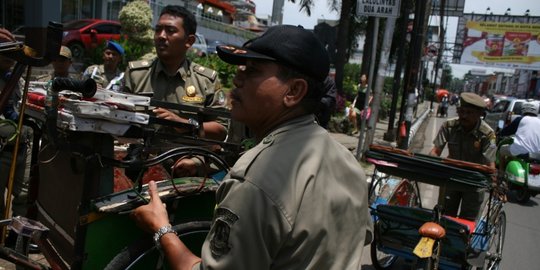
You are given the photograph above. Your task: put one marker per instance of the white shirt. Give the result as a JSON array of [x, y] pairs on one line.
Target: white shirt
[[527, 139]]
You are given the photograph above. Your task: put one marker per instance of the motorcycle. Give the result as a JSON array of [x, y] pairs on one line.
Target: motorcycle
[[522, 174]]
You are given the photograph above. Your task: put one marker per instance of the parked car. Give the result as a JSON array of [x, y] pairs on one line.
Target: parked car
[[504, 111], [199, 46], [213, 44], [83, 35]]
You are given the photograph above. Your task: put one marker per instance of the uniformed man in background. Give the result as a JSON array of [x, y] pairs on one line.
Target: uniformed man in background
[[171, 77], [61, 66], [470, 139], [107, 75], [296, 200]]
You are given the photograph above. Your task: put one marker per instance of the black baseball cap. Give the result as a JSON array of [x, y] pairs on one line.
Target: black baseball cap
[[291, 46]]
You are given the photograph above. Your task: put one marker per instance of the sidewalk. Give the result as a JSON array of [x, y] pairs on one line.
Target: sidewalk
[[351, 142]]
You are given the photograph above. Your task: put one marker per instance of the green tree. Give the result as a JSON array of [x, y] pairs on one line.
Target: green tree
[[348, 31], [136, 20]]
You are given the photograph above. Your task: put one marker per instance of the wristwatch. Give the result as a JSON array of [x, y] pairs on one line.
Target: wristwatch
[[162, 231], [194, 122]]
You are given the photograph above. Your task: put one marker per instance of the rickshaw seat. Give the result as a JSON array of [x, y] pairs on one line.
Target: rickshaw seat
[[469, 223]]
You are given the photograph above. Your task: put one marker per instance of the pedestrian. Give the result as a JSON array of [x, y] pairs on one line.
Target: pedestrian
[[470, 139], [61, 65], [171, 77], [298, 199], [108, 75]]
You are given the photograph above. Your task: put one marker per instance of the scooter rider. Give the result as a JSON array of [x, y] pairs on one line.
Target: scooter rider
[[527, 137]]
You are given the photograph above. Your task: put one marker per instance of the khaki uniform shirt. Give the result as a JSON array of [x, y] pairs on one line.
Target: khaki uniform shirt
[[192, 84], [50, 76], [297, 200], [476, 146], [103, 79]]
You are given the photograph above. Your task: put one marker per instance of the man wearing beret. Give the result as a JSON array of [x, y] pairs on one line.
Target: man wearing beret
[[107, 75], [171, 77], [470, 139], [296, 200]]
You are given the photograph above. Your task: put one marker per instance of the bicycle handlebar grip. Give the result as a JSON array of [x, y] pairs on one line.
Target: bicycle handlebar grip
[[86, 87]]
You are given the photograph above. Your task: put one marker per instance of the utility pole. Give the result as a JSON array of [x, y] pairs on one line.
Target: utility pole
[[362, 133], [441, 50], [379, 84], [390, 134], [411, 74]]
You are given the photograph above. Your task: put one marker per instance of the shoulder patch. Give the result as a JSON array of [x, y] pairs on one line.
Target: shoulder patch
[[207, 72], [223, 222], [485, 129], [140, 64]]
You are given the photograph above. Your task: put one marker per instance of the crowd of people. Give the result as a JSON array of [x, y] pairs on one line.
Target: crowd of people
[[297, 199], [277, 95]]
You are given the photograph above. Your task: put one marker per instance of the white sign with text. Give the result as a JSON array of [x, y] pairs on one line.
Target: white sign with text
[[378, 8]]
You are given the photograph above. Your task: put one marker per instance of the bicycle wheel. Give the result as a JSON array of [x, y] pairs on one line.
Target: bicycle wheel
[[143, 254], [496, 243]]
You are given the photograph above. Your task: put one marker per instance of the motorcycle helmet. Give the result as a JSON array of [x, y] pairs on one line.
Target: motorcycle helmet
[[530, 108]]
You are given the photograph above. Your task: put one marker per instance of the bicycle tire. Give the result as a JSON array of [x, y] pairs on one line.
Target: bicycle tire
[[129, 256], [496, 243]]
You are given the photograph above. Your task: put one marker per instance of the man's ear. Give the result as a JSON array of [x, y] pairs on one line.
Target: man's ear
[[190, 40], [297, 91]]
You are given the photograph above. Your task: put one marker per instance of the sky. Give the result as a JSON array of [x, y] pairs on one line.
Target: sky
[[292, 15]]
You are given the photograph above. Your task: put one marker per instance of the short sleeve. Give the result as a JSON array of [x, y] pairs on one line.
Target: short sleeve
[[247, 225]]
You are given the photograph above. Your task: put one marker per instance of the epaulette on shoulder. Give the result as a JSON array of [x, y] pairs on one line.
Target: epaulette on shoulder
[[452, 122], [140, 64], [207, 72], [485, 128]]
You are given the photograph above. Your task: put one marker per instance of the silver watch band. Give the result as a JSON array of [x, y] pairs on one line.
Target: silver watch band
[[162, 231]]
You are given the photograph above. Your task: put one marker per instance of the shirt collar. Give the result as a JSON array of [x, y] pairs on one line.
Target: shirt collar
[[183, 71]]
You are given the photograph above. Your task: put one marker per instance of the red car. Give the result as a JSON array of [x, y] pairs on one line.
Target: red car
[[83, 35]]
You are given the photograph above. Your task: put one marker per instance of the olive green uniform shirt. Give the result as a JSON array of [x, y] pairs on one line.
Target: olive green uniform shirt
[[476, 146], [103, 79], [192, 84], [297, 200], [50, 76]]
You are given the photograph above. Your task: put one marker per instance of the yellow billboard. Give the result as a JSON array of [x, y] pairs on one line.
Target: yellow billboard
[[502, 44]]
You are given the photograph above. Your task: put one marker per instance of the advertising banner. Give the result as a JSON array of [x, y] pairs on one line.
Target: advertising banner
[[502, 44]]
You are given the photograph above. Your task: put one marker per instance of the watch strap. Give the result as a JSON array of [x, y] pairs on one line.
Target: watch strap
[[162, 231]]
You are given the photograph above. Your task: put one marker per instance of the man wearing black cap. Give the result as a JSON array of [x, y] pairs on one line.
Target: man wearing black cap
[[470, 139], [107, 75], [298, 199]]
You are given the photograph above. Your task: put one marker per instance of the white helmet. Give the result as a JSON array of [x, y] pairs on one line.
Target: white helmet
[[529, 108]]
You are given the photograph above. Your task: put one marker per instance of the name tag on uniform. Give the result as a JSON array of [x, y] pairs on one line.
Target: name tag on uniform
[[192, 99]]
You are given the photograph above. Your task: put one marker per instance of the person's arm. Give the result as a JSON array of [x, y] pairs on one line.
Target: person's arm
[[6, 36], [439, 142], [153, 216], [511, 129], [212, 129], [435, 151]]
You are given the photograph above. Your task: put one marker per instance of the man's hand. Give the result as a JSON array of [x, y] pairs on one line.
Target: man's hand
[[152, 216], [185, 167], [5, 35], [166, 114]]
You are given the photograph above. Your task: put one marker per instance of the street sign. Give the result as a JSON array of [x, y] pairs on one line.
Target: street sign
[[378, 8]]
